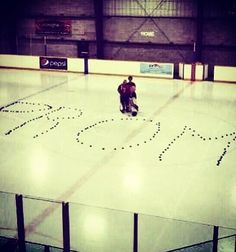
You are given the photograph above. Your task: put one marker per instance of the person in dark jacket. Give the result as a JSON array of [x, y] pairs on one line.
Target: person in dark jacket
[[128, 96], [133, 107], [124, 96]]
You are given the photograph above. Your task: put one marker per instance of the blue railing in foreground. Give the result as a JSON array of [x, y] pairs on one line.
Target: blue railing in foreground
[[11, 245], [227, 243], [70, 226]]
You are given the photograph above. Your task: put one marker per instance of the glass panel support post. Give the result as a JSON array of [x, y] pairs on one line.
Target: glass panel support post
[[215, 238], [66, 227], [135, 238], [20, 222]]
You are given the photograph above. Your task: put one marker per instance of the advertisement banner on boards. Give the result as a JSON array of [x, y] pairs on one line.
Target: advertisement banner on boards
[[157, 69], [53, 63], [52, 27]]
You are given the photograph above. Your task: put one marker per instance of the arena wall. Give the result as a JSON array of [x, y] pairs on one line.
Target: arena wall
[[127, 38], [114, 67]]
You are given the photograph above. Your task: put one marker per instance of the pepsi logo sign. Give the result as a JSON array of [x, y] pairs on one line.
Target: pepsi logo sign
[[53, 63], [44, 62]]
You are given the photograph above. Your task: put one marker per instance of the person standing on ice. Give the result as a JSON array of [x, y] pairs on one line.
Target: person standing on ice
[[128, 97], [124, 96], [133, 107]]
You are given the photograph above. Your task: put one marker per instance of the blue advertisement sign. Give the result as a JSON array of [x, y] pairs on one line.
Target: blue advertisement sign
[[53, 63], [156, 68]]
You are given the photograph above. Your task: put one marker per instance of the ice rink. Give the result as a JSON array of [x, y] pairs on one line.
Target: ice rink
[[64, 138]]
